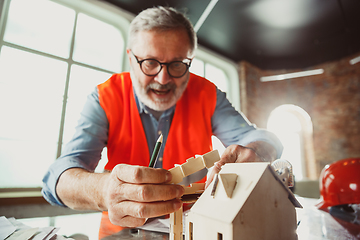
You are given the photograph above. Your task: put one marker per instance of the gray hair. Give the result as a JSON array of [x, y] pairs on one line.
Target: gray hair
[[161, 19]]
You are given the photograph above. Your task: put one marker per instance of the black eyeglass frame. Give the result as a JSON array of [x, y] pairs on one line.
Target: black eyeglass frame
[[188, 64]]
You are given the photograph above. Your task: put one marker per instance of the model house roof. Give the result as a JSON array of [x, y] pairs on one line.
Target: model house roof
[[224, 201]]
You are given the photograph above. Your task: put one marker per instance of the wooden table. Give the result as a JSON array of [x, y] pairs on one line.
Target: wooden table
[[137, 234]]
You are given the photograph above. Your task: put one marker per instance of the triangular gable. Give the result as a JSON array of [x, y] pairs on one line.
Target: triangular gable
[[223, 208]]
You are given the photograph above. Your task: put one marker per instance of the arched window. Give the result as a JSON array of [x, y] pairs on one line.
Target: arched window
[[293, 127]]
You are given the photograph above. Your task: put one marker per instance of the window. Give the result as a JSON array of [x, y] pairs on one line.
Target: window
[[219, 236], [191, 230], [293, 127], [220, 71], [223, 74], [51, 57]]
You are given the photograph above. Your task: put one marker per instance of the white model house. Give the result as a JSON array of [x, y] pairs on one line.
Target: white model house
[[246, 201]]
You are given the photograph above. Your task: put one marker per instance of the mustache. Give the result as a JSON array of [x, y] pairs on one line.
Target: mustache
[[161, 87]]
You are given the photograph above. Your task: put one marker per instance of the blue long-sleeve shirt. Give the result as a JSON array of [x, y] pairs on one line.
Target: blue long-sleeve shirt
[[84, 150]]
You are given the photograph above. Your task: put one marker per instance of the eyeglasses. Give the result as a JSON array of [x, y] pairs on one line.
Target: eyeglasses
[[152, 67]]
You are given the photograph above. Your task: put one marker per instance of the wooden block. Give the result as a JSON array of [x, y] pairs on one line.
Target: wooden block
[[210, 158], [228, 181], [176, 225], [194, 188], [177, 174], [192, 165]]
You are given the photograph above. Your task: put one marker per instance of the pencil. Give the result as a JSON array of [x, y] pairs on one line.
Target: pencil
[[156, 151]]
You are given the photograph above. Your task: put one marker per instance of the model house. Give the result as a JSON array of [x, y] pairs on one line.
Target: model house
[[245, 201], [179, 172]]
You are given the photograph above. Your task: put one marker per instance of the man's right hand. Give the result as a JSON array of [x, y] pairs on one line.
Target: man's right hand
[[134, 193], [130, 194]]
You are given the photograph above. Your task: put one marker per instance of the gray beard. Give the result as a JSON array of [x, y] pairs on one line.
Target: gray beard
[[157, 105]]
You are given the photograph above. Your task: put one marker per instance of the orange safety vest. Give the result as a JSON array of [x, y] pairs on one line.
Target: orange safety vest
[[190, 131]]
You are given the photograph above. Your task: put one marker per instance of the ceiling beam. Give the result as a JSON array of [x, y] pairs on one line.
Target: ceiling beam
[[205, 14]]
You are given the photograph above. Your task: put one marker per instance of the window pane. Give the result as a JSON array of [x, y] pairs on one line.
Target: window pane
[[98, 44], [287, 127], [40, 24], [197, 67], [292, 152], [217, 76], [30, 105], [284, 122], [24, 163], [82, 82]]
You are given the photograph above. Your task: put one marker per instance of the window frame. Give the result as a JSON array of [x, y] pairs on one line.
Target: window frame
[[230, 69]]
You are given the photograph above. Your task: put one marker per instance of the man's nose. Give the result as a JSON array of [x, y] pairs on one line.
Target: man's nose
[[163, 76]]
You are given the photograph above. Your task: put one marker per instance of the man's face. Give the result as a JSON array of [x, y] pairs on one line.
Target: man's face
[[162, 91]]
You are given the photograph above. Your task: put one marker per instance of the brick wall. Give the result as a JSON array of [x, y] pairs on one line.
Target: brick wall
[[331, 99]]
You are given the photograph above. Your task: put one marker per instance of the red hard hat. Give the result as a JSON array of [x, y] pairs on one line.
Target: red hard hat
[[340, 183]]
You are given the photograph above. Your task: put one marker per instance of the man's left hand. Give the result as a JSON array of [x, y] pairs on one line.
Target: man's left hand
[[253, 152]]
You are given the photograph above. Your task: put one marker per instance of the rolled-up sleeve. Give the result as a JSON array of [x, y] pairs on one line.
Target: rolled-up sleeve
[[84, 149], [232, 127]]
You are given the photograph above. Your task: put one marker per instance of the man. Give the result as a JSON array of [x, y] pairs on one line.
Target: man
[[127, 114]]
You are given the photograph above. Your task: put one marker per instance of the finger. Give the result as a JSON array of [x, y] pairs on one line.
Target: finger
[[150, 192], [229, 156], [232, 154], [246, 154], [125, 221], [147, 210], [139, 174], [132, 222], [216, 169], [238, 154]]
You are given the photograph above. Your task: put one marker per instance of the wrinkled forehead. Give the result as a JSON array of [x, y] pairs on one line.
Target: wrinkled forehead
[[135, 36], [174, 42]]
